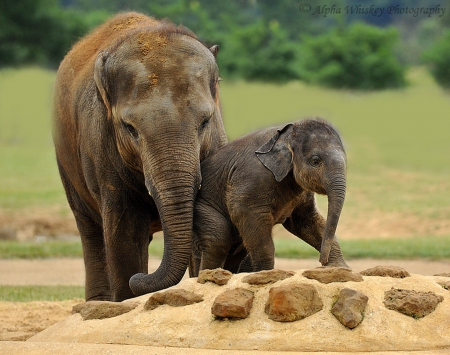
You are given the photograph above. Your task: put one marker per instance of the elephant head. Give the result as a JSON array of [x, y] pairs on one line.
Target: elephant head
[[313, 151], [160, 92]]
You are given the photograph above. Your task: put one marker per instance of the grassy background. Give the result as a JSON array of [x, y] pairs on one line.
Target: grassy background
[[40, 293], [397, 145], [433, 248]]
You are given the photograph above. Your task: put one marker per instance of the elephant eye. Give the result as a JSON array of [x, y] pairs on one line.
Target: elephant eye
[[315, 161], [131, 130], [203, 125]]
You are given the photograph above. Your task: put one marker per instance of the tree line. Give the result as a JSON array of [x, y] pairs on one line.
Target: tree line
[[320, 42]]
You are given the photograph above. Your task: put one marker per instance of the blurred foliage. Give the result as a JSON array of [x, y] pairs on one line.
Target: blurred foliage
[[358, 57], [40, 31], [438, 58], [259, 39]]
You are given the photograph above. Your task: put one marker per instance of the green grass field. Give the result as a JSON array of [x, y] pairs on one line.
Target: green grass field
[[40, 293], [396, 140], [397, 143]]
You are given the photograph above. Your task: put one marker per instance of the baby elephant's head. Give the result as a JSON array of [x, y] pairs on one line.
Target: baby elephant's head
[[313, 151]]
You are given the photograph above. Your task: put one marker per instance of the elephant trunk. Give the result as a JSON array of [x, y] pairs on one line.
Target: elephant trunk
[[336, 187], [174, 192]]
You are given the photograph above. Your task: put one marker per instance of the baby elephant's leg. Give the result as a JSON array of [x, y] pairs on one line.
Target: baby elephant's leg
[[256, 233], [306, 223], [212, 235], [234, 258]]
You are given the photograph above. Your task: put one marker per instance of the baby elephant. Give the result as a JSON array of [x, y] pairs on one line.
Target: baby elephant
[[262, 179]]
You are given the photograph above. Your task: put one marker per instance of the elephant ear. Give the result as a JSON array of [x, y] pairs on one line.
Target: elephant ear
[[275, 155], [214, 50], [100, 79]]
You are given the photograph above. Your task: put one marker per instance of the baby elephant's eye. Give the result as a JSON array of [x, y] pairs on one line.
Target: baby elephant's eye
[[131, 130], [315, 161]]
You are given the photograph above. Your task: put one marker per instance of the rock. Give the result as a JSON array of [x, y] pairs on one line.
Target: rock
[[444, 274], [174, 298], [327, 275], [103, 309], [349, 308], [445, 284], [386, 271], [289, 303], [235, 303], [217, 276], [267, 276], [412, 303]]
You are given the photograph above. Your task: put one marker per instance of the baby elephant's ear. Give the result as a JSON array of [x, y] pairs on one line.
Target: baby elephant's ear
[[276, 155]]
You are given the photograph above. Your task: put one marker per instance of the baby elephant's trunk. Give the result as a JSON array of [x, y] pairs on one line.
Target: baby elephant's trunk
[[335, 187]]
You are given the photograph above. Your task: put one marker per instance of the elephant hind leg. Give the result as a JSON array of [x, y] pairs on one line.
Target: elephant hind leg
[[235, 258], [256, 232]]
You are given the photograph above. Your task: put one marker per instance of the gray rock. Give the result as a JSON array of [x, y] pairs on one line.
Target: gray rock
[[235, 303], [267, 276], [349, 308], [327, 275], [102, 309], [174, 298], [288, 303], [412, 303], [218, 276], [386, 271]]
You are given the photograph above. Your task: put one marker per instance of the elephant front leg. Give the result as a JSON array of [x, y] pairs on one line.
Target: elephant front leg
[[127, 236], [96, 283], [307, 224], [90, 228]]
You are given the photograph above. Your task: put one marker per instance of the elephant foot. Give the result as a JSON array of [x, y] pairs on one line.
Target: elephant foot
[[340, 263]]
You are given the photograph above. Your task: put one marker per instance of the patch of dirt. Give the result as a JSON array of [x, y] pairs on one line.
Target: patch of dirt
[[53, 221], [58, 221], [382, 225], [22, 320]]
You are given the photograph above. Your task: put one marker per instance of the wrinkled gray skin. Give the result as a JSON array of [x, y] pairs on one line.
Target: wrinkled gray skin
[[136, 109], [265, 178]]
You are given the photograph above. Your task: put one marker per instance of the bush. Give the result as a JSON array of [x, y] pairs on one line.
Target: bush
[[357, 57], [40, 31], [259, 51], [438, 58]]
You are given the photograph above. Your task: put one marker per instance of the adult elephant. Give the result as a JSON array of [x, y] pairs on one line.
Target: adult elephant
[[136, 108]]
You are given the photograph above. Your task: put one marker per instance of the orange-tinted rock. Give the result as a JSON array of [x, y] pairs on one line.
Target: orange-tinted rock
[[235, 303], [289, 303]]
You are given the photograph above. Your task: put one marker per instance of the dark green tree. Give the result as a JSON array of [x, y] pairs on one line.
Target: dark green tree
[[438, 60], [259, 51], [358, 57], [40, 31]]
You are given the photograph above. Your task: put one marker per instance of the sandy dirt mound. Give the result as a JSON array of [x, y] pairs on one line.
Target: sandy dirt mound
[[193, 326]]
